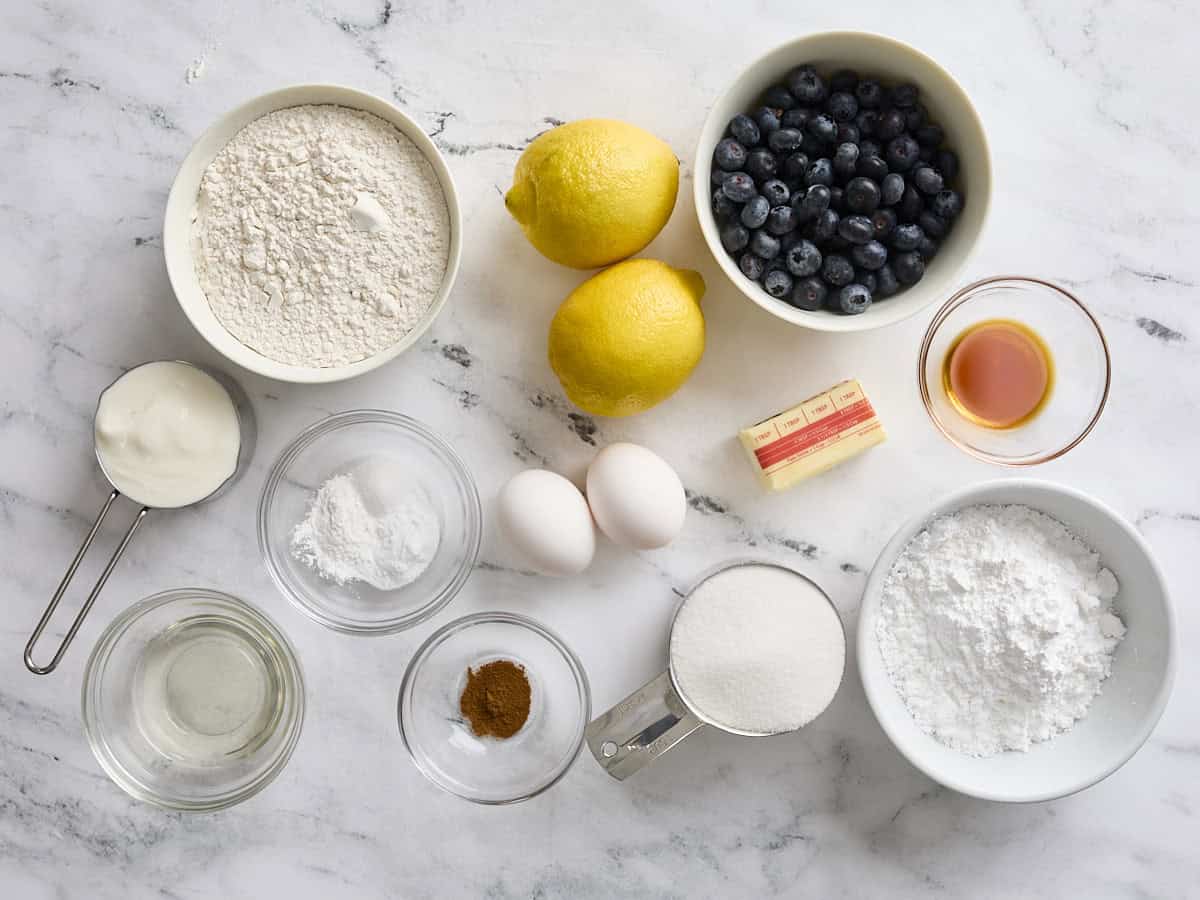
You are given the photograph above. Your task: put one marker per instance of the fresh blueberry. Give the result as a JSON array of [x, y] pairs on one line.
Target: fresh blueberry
[[927, 180], [856, 229], [909, 267], [716, 176], [819, 171], [933, 225], [866, 121], [891, 125], [845, 159], [778, 283], [730, 155], [891, 189], [842, 106], [928, 248], [767, 119], [803, 259], [781, 220], [752, 266], [837, 199], [724, 209], [796, 118], [930, 135], [816, 200], [823, 128], [904, 96], [902, 153], [914, 118], [793, 166], [848, 133], [869, 147], [744, 130], [754, 213], [739, 187], [927, 155], [947, 163], [761, 164], [872, 167], [884, 222], [806, 85], [734, 237], [837, 244], [836, 270], [778, 97], [809, 293], [946, 204], [866, 279], [784, 140], [910, 204], [823, 227], [869, 94], [843, 80], [885, 282], [812, 146], [870, 255], [862, 195], [854, 299], [906, 237], [776, 192], [764, 245]]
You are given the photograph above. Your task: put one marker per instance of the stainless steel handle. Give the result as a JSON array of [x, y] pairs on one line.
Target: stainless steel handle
[[640, 728], [91, 598]]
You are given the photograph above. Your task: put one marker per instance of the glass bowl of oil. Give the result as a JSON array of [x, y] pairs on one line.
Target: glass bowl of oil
[[1014, 371], [193, 700]]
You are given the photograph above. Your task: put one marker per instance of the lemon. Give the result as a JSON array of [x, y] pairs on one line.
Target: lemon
[[592, 192], [629, 337]]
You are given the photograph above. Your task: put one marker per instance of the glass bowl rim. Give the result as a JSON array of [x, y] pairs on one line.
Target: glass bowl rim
[[489, 617], [967, 293], [100, 655], [444, 453]]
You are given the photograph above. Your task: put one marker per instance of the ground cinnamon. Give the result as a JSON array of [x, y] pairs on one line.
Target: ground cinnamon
[[496, 699]]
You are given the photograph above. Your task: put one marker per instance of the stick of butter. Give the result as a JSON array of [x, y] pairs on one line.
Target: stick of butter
[[813, 436]]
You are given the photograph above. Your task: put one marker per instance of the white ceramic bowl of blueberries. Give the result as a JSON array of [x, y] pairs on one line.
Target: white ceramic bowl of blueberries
[[842, 181]]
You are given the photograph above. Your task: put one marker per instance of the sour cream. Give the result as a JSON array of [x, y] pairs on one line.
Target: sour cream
[[167, 434]]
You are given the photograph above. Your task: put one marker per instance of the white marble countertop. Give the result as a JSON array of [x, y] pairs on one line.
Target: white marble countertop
[[1093, 122]]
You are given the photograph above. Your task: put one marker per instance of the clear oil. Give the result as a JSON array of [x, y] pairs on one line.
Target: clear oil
[[207, 690]]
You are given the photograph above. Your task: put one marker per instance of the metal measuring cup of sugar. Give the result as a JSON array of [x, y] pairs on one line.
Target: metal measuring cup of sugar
[[247, 437], [659, 715]]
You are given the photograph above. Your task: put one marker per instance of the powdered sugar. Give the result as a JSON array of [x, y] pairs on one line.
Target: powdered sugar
[[367, 525], [996, 627], [322, 235], [758, 648]]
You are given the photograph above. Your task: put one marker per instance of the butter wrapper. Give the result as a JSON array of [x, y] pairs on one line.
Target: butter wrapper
[[813, 436]]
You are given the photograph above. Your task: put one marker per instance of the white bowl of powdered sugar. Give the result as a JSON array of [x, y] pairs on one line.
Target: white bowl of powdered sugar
[[313, 233], [1016, 641]]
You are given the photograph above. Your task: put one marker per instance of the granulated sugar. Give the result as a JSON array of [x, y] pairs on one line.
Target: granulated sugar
[[321, 235], [996, 627], [758, 648]]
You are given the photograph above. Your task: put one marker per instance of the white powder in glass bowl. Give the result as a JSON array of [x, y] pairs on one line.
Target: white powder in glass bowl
[[321, 236]]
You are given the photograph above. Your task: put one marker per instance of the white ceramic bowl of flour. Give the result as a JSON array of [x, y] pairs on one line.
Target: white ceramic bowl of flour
[[1120, 718], [181, 213]]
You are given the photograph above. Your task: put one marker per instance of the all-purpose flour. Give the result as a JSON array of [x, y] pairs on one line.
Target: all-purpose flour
[[321, 235], [996, 627]]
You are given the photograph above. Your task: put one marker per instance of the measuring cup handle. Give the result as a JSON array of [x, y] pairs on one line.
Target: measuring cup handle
[[91, 598], [640, 728]]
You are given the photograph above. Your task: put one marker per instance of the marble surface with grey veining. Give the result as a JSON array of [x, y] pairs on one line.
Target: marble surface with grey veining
[[1092, 115]]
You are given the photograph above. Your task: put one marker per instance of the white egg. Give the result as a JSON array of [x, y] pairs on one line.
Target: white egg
[[546, 520], [635, 496]]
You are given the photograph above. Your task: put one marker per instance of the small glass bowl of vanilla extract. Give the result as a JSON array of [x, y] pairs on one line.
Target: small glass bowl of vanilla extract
[[1014, 371]]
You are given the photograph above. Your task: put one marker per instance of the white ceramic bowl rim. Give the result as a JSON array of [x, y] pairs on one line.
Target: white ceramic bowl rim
[[182, 199], [894, 309], [876, 682]]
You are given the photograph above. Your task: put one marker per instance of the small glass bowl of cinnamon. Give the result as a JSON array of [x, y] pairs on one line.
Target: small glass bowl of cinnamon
[[1014, 371], [493, 708]]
